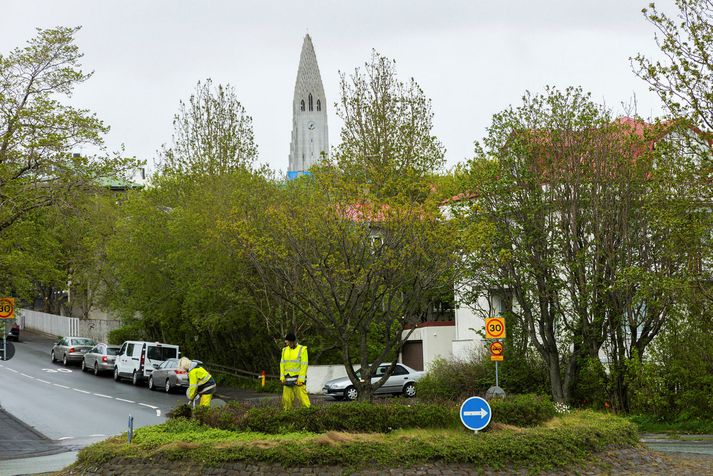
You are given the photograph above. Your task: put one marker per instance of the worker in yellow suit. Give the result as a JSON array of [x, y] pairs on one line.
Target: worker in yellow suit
[[293, 372], [200, 382]]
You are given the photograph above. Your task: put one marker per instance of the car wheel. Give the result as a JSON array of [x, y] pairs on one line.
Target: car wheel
[[410, 390], [135, 378], [351, 393], [151, 385], [96, 369], [84, 366], [53, 358], [167, 387], [65, 362], [116, 374]]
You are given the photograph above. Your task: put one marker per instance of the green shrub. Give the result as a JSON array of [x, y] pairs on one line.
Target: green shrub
[[454, 380], [567, 440], [519, 410], [522, 410], [132, 331], [351, 417]]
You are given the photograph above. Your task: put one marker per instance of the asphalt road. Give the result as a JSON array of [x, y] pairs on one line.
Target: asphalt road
[[69, 406]]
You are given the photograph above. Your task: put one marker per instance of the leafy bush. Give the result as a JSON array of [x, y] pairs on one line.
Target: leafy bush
[[454, 380], [565, 441], [522, 410], [131, 331], [357, 417], [351, 417]]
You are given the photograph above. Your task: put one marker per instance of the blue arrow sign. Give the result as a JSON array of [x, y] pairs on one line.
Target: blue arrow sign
[[475, 413]]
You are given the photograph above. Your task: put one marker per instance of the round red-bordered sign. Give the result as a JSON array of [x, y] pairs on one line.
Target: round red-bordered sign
[[494, 328], [496, 348], [7, 308]]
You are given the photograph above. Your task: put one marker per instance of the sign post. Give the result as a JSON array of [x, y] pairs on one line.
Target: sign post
[[495, 329], [475, 413], [7, 313]]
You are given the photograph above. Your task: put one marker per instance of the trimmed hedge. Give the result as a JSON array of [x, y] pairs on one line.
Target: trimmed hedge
[[566, 440], [521, 410], [351, 417]]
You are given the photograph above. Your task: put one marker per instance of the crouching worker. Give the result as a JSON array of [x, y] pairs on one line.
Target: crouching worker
[[293, 373], [200, 382]]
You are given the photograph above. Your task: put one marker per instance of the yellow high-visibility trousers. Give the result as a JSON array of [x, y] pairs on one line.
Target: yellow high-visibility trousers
[[289, 394], [205, 400]]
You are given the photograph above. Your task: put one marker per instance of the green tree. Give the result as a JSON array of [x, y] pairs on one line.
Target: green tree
[[212, 134], [589, 229], [387, 143], [359, 250], [684, 79], [38, 133], [359, 272]]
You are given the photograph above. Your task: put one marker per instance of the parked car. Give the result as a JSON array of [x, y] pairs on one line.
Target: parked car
[[14, 332], [71, 349], [138, 359], [100, 358], [402, 382], [169, 377]]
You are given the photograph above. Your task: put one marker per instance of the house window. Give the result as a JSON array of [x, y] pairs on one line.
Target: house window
[[302, 105], [319, 105], [310, 102]]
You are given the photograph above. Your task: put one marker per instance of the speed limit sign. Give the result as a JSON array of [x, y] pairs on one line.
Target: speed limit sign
[[495, 328], [7, 308]]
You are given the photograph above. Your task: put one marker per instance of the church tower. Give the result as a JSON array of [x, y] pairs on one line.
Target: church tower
[[309, 115]]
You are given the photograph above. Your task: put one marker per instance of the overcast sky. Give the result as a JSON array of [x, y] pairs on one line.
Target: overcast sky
[[473, 58]]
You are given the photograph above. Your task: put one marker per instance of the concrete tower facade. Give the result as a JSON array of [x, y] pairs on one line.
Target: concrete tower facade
[[310, 138]]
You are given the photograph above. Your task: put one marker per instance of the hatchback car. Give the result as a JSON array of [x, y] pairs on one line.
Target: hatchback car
[[100, 358], [169, 377], [14, 333], [71, 349], [402, 382]]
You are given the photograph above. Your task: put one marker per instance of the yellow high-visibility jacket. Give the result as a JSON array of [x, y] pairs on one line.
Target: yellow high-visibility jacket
[[197, 377], [294, 363]]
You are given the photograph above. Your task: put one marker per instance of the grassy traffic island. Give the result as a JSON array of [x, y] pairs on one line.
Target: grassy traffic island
[[525, 434]]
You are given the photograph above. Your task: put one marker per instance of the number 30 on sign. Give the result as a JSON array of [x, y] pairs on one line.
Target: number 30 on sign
[[7, 308], [495, 328]]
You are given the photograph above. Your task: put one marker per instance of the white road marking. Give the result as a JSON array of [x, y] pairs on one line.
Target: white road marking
[[12, 370], [103, 396], [65, 438], [97, 435], [147, 405], [61, 386], [43, 381], [25, 375], [124, 400], [81, 391], [158, 412]]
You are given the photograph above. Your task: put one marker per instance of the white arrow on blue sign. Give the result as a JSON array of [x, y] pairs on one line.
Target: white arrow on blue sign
[[475, 413]]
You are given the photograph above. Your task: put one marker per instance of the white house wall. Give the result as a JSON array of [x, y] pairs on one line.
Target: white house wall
[[436, 340]]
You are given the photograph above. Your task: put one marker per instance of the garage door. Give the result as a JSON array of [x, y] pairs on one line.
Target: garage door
[[412, 354]]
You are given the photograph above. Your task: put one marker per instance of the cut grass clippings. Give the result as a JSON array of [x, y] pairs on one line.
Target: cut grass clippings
[[562, 441]]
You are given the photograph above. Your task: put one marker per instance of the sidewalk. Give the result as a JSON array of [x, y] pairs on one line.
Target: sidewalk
[[18, 440]]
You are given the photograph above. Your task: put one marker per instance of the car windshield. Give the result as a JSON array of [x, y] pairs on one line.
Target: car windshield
[[112, 351], [162, 353], [83, 342]]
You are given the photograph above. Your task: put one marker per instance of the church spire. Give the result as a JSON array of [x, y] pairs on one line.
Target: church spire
[[309, 114]]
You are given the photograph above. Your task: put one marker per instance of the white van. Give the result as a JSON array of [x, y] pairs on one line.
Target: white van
[[138, 359]]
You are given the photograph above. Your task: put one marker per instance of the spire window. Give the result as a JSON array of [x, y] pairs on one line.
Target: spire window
[[319, 105], [302, 105], [310, 102]]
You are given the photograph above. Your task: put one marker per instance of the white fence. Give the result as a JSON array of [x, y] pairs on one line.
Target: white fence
[[51, 324]]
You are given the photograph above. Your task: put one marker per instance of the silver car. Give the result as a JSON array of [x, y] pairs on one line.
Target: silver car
[[168, 376], [100, 358], [71, 349], [402, 382]]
